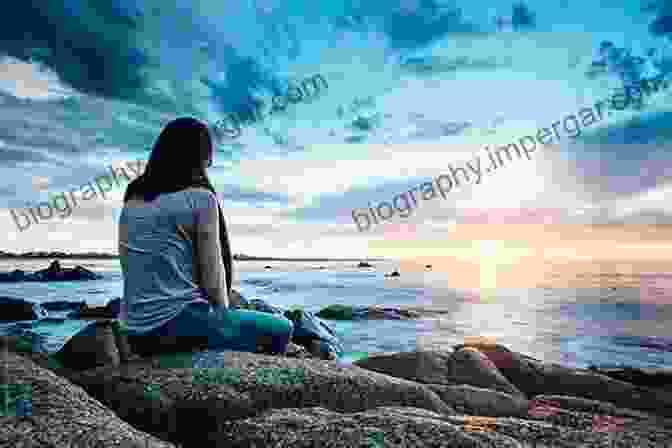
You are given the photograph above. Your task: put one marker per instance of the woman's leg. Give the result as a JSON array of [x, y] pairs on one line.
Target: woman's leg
[[231, 329]]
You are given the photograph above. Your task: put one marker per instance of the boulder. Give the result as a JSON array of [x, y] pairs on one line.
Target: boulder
[[434, 367], [336, 312], [14, 309], [203, 389], [63, 415], [393, 313], [478, 401], [93, 346], [50, 274], [420, 366], [656, 378], [469, 366], [534, 377], [377, 428], [352, 312], [409, 427], [16, 275]]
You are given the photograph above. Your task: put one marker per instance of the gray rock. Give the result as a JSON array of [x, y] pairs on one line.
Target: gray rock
[[469, 366], [242, 386], [381, 427], [95, 345], [420, 366], [478, 401], [15, 309], [534, 377], [63, 415], [434, 367]]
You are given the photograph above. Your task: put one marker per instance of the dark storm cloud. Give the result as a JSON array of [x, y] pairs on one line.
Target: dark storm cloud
[[89, 44], [244, 76]]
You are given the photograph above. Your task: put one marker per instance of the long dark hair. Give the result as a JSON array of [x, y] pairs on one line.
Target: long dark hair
[[176, 163]]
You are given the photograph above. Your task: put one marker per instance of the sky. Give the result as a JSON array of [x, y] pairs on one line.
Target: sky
[[414, 89]]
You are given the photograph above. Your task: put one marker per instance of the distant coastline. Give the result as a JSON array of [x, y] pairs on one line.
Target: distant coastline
[[106, 256]]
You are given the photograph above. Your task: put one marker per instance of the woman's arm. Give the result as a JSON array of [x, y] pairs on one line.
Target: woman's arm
[[209, 253], [122, 249]]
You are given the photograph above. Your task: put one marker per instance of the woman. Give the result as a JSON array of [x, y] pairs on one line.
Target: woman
[[176, 259]]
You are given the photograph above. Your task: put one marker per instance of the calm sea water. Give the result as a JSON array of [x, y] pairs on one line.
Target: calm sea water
[[576, 326]]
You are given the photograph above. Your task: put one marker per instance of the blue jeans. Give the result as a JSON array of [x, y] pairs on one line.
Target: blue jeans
[[197, 326]]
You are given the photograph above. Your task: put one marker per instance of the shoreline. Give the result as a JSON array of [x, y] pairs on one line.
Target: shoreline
[[114, 257]]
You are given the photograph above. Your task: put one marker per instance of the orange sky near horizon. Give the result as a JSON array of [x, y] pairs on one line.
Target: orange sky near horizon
[[478, 256]]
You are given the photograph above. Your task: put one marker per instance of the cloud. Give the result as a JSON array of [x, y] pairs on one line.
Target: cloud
[[91, 46]]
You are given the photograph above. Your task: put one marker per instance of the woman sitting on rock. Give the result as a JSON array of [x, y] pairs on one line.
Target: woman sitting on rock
[[176, 260]]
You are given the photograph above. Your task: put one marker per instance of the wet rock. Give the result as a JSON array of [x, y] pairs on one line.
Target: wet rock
[[63, 415], [14, 309], [394, 313], [364, 264]]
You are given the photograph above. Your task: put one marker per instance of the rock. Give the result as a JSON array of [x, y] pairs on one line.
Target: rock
[[297, 351], [420, 366], [433, 367], [62, 305], [429, 266], [393, 274], [14, 309], [420, 428], [479, 401], [533, 377], [16, 275], [93, 346], [52, 273], [395, 313], [64, 415], [656, 378], [267, 267], [350, 312], [364, 264], [336, 312], [469, 366], [462, 367], [381, 427], [238, 384]]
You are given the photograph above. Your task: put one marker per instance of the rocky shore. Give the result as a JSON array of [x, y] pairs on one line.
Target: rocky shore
[[477, 395]]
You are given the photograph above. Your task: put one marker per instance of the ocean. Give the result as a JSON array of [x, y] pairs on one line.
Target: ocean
[[603, 318]]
